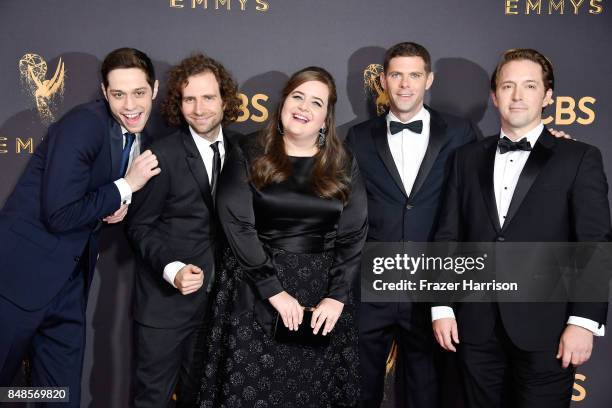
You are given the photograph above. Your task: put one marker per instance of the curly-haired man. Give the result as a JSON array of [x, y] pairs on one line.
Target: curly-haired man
[[172, 227]]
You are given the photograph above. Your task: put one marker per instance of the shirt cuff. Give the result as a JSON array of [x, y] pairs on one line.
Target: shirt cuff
[[442, 312], [588, 324], [124, 191], [171, 270]]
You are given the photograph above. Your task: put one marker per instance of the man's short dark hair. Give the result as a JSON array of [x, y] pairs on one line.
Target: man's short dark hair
[[518, 54], [127, 58], [408, 49]]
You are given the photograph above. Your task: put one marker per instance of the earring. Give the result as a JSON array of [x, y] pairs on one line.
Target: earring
[[279, 127], [322, 137]]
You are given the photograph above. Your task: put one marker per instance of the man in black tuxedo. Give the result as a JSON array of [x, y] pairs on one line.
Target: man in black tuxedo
[[403, 158], [173, 228], [523, 185]]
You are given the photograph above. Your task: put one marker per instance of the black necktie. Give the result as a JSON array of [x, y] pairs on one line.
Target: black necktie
[[125, 156], [416, 126], [506, 145], [216, 167]]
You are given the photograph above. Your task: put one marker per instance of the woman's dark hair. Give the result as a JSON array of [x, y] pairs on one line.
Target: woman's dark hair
[[330, 176]]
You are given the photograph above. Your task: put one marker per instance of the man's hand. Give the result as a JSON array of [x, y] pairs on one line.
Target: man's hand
[[189, 279], [445, 331], [288, 308], [327, 311], [575, 346], [142, 169], [117, 216], [559, 134]]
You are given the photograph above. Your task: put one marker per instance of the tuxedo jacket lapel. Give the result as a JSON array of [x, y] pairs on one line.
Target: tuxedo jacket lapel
[[379, 134], [116, 148], [538, 157], [145, 141], [228, 145], [198, 170], [485, 175], [437, 139]]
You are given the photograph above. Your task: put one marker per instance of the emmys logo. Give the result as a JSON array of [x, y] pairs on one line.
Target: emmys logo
[[47, 93], [242, 5], [22, 145], [373, 87], [539, 7]]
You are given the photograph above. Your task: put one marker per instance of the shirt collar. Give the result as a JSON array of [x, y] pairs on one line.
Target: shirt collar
[[204, 142], [124, 131], [531, 136]]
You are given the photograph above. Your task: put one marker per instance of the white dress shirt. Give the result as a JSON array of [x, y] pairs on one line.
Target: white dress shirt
[[506, 173], [408, 148], [207, 154]]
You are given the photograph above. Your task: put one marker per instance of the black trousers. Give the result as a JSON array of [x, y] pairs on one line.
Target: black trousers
[[410, 325], [164, 357], [53, 338], [498, 374]]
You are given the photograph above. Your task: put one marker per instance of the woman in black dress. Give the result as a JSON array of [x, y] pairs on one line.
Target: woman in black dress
[[293, 208]]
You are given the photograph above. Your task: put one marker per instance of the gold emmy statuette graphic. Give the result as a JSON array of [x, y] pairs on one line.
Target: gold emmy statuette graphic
[[372, 86], [47, 93]]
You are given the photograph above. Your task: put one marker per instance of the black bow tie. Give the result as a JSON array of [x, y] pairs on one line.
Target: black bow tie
[[416, 126], [506, 145]]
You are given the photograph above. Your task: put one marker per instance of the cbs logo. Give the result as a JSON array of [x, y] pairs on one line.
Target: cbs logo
[[579, 393], [569, 110], [252, 109]]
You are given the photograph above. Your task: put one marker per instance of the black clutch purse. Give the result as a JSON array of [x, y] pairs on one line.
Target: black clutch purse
[[303, 336]]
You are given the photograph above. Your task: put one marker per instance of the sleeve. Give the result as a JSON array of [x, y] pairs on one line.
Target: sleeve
[[442, 312], [448, 222], [591, 325], [124, 191], [591, 215], [171, 270], [235, 208], [350, 238], [74, 146], [144, 214]]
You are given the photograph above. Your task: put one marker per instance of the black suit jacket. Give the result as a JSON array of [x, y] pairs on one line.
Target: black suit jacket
[[393, 215], [173, 219], [561, 196]]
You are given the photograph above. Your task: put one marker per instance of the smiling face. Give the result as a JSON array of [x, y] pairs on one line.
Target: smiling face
[[305, 110], [406, 80], [519, 96], [202, 105], [130, 97]]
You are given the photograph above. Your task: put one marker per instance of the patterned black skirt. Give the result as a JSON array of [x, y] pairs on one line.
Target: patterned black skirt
[[241, 366]]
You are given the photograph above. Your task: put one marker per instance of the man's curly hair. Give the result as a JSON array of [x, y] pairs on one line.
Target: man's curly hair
[[197, 64]]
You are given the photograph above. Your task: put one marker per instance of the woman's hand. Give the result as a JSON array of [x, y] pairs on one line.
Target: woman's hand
[[289, 309], [327, 311]]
